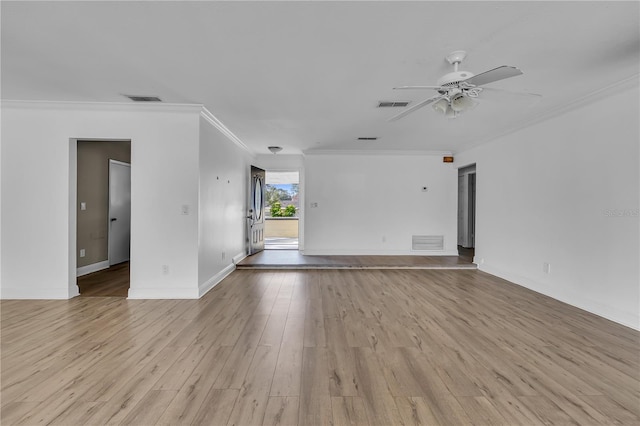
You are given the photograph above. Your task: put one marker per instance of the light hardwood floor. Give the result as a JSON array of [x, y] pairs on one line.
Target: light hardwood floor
[[341, 347]]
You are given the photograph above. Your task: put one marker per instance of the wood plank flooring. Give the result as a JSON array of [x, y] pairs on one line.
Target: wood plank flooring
[[110, 282], [331, 347]]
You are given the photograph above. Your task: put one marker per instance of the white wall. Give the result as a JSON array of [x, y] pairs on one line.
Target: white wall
[[224, 179], [38, 195], [363, 200], [280, 162], [547, 194]]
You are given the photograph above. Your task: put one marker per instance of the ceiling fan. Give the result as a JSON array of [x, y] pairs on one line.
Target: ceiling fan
[[458, 90]]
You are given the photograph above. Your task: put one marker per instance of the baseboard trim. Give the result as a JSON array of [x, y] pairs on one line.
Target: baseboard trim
[[163, 293], [215, 280], [94, 267], [239, 257], [35, 293], [607, 312]]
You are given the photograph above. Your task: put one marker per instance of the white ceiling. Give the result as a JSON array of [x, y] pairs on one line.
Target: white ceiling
[[308, 75]]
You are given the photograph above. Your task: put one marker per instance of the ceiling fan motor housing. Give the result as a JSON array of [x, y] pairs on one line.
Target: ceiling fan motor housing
[[454, 78]]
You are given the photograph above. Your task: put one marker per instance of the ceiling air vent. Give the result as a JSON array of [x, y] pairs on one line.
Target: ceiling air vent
[[427, 242], [144, 98], [368, 138], [392, 104]]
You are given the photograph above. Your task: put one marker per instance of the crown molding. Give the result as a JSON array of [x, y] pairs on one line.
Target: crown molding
[[128, 107], [390, 152], [211, 119], [103, 106], [594, 96]]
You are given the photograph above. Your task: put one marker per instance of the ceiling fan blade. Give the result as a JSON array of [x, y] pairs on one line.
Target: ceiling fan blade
[[492, 94], [495, 74], [417, 87], [415, 107]]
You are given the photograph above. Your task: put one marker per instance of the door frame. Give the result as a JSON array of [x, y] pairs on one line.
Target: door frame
[[465, 172], [301, 199], [72, 279]]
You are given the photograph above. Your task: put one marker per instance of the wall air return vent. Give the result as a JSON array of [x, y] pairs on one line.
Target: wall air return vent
[[136, 98], [392, 104], [427, 242]]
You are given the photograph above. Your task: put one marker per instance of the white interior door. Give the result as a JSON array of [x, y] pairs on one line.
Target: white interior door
[[119, 212]]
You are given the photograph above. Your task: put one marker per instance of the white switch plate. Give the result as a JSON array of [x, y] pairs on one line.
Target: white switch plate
[[82, 253], [83, 206], [314, 205]]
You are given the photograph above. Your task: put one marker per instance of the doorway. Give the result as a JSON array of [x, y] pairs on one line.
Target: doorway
[[282, 210], [103, 212], [467, 211]]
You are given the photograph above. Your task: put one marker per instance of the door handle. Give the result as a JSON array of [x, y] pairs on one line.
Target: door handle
[[114, 219]]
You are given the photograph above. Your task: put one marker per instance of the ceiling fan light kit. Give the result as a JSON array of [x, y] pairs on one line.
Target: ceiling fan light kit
[[458, 90], [461, 102]]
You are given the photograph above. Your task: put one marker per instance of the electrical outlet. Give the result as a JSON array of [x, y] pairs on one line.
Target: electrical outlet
[[223, 255], [546, 268], [384, 239], [165, 269], [82, 253], [313, 205]]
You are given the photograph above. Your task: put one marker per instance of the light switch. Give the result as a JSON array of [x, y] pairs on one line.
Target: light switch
[[83, 205]]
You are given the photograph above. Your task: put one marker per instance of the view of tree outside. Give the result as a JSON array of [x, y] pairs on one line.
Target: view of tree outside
[[281, 198]]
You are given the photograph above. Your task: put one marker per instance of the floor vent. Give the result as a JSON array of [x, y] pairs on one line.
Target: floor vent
[[427, 242]]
